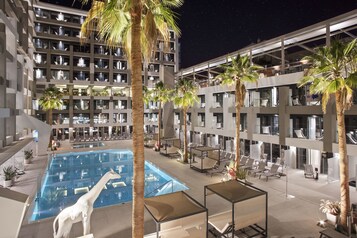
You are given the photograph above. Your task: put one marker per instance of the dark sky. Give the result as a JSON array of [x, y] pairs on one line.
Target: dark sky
[[211, 28]]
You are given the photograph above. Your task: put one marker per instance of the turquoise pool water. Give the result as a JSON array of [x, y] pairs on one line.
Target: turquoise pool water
[[71, 175]]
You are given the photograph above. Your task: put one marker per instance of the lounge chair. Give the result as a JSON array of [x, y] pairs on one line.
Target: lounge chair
[[220, 169], [248, 165], [273, 172], [243, 160], [259, 169], [308, 171]]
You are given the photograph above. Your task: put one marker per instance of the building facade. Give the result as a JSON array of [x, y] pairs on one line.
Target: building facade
[[94, 79], [16, 67], [279, 120]]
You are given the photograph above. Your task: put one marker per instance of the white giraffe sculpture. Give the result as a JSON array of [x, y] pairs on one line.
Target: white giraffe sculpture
[[81, 210]]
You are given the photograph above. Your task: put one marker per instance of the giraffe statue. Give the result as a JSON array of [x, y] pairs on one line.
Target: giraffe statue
[[81, 210]]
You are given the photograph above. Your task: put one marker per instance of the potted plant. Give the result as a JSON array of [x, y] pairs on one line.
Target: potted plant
[[332, 209], [9, 174], [28, 156]]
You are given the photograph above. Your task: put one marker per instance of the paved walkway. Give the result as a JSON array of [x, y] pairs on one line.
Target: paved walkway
[[293, 205]]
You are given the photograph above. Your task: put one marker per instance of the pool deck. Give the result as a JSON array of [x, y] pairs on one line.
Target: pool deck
[[294, 215]]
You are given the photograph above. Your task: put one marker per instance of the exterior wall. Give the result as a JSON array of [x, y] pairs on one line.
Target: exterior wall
[[15, 52]]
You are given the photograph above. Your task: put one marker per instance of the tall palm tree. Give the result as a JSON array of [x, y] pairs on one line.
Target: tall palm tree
[[136, 24], [162, 95], [185, 97], [51, 99], [333, 72], [236, 73]]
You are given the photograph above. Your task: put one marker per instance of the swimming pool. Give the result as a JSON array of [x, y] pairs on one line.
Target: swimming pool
[[71, 175], [87, 145]]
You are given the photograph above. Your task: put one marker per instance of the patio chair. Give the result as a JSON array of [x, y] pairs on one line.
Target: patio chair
[[259, 169], [308, 171], [273, 172], [300, 134]]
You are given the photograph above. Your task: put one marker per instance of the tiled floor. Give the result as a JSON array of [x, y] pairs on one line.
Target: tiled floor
[[294, 215]]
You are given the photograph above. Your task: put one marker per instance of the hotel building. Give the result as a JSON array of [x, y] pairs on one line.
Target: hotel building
[[94, 79], [279, 119]]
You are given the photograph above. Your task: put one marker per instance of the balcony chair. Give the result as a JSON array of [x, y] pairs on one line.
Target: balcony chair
[[273, 172], [308, 171], [264, 103], [299, 134], [351, 138], [266, 129], [296, 102]]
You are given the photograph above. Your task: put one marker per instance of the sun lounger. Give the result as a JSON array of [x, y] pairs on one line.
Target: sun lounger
[[273, 172], [243, 160], [220, 169], [248, 165], [259, 169], [308, 171]]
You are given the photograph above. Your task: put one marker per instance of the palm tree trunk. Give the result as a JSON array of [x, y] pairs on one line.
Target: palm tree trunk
[[159, 125], [138, 122], [50, 123], [344, 187], [185, 154], [237, 102]]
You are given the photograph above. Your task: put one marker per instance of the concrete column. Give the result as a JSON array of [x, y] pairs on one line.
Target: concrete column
[[251, 118], [11, 121], [330, 126], [168, 110], [284, 117], [282, 56], [2, 82]]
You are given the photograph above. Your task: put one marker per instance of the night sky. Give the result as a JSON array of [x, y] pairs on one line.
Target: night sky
[[211, 28]]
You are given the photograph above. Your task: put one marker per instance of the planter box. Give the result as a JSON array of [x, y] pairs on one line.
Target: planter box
[[331, 218], [7, 183]]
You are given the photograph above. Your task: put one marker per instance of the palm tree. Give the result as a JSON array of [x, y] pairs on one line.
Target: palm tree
[[185, 97], [51, 99], [136, 24], [160, 94], [238, 72], [333, 72]]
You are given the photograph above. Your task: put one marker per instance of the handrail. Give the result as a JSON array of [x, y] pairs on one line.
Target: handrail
[[161, 186]]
